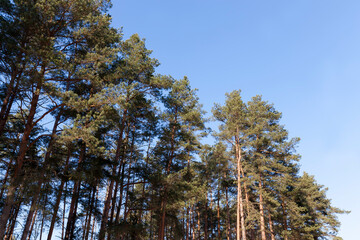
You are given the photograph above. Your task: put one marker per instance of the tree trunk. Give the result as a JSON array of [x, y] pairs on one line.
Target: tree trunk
[[190, 222], [117, 217], [105, 216], [32, 225], [90, 214], [70, 226], [285, 220], [271, 227], [29, 218], [261, 207], [127, 210], [240, 209], [58, 197], [198, 223], [227, 214], [94, 223], [56, 209], [10, 198], [206, 220], [246, 193], [218, 216], [187, 223], [63, 215], [69, 232], [193, 223], [162, 221]]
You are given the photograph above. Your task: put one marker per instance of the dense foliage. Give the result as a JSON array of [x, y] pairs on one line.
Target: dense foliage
[[95, 145]]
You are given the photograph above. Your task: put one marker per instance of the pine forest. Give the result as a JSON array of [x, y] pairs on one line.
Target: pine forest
[[95, 144]]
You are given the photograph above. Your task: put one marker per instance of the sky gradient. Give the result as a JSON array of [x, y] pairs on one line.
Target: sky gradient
[[303, 56]]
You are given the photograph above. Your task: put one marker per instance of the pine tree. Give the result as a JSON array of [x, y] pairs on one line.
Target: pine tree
[[182, 119], [233, 130]]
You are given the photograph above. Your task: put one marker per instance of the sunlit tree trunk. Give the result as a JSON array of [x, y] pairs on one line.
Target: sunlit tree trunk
[[240, 222], [261, 207]]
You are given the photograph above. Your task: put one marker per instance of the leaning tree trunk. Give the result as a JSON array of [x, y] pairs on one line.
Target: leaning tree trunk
[[10, 198]]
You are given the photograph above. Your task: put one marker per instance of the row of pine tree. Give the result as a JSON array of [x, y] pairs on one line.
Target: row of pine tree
[[95, 145]]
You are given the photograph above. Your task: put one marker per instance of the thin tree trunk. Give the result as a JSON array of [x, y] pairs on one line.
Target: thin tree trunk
[[190, 222], [32, 225], [162, 220], [70, 226], [63, 216], [218, 216], [246, 193], [113, 201], [43, 217], [240, 211], [187, 223], [206, 220], [94, 220], [105, 215], [42, 225], [198, 223], [227, 214], [84, 226], [193, 223], [90, 214], [285, 220], [151, 224], [271, 227], [58, 198], [29, 218], [75, 212], [117, 217], [93, 229], [261, 207], [211, 222]]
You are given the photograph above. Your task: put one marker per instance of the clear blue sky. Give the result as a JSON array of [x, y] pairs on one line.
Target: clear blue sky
[[303, 56]]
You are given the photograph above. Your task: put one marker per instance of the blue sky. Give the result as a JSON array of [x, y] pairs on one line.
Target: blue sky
[[303, 56]]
